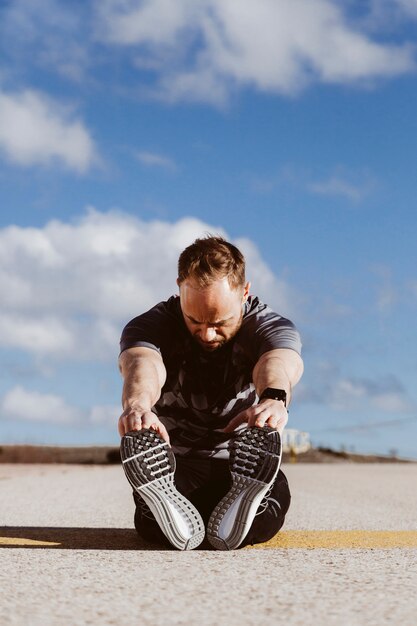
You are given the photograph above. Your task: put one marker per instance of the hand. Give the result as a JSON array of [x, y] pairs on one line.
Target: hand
[[269, 412], [137, 418]]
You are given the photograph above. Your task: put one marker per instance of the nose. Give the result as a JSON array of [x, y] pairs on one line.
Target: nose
[[207, 333]]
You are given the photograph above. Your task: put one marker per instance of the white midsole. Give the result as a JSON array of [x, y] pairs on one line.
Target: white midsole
[[153, 500], [229, 519]]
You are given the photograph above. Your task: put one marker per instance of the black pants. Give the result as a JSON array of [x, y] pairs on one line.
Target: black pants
[[204, 482]]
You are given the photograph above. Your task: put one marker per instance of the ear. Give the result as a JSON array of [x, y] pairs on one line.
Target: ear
[[246, 292]]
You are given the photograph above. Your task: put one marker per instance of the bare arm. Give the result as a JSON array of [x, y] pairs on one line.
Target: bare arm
[[144, 375], [280, 369]]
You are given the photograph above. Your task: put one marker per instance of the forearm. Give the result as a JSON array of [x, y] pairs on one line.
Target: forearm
[[144, 376], [280, 369]]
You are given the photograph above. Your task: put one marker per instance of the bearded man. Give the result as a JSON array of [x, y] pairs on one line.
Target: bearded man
[[208, 377]]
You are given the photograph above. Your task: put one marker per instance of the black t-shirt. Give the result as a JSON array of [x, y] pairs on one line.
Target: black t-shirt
[[204, 390]]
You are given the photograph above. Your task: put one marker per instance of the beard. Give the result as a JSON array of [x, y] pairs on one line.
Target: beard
[[211, 346], [221, 340]]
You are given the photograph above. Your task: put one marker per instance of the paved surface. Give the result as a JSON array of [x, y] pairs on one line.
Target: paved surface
[[347, 554]]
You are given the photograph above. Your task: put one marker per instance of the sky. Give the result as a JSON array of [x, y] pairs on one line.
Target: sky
[[129, 128]]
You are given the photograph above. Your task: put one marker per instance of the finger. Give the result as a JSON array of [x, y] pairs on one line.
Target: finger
[[266, 417], [261, 416], [148, 420], [261, 420], [151, 421], [132, 423], [248, 416], [234, 423], [252, 412], [259, 408], [160, 428], [277, 422], [282, 424], [273, 422], [124, 425]]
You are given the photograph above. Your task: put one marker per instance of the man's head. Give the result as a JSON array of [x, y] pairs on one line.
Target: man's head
[[213, 290]]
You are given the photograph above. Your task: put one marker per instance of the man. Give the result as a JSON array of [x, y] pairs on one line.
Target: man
[[208, 378]]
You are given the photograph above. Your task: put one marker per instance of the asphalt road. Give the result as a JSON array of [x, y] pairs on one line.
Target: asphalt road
[[347, 554]]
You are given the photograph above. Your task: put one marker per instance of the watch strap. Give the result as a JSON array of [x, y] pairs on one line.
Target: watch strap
[[274, 394]]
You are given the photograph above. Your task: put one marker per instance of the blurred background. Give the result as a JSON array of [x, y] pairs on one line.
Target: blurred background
[[128, 128]]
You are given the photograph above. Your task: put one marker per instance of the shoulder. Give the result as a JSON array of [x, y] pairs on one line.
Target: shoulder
[[257, 313], [264, 329], [161, 312], [154, 327]]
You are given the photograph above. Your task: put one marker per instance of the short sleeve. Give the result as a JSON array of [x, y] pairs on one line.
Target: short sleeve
[[150, 330], [277, 332], [265, 330]]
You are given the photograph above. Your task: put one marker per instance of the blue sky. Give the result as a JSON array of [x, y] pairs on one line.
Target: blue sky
[[127, 129]]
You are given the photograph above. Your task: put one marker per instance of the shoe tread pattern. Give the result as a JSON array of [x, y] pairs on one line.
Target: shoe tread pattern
[[149, 465], [255, 456], [146, 457], [255, 452]]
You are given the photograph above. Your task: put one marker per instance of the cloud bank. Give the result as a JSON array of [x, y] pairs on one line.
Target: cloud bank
[[68, 288], [20, 404], [28, 405], [350, 394], [204, 50]]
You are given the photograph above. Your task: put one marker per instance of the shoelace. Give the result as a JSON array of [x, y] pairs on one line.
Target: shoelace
[[265, 502], [144, 509]]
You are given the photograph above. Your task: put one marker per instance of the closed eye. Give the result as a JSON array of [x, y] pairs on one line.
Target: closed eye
[[220, 324]]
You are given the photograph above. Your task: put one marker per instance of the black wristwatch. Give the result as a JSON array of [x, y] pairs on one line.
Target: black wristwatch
[[274, 394]]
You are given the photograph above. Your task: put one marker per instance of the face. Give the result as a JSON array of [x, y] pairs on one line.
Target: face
[[212, 314]]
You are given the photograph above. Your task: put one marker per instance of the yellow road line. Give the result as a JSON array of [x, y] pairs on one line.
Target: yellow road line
[[336, 539], [21, 541]]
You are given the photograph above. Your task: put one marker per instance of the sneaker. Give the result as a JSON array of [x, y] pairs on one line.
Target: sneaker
[[149, 465], [255, 457]]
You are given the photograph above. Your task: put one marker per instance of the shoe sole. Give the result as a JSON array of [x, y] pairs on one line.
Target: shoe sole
[[255, 458], [149, 465]]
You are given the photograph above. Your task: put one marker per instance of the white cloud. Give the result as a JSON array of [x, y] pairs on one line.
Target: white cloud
[[159, 22], [68, 288], [388, 15], [351, 394], [45, 334], [152, 159], [337, 186], [105, 414], [21, 404], [408, 6], [342, 182], [33, 406], [36, 130], [46, 33], [203, 50], [270, 288]]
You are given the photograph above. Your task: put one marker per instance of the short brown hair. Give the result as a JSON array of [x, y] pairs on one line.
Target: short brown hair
[[212, 258]]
